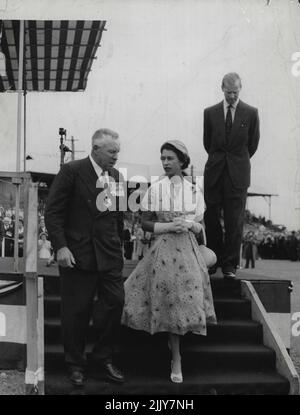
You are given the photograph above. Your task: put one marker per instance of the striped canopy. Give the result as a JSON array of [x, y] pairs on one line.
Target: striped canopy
[[58, 54]]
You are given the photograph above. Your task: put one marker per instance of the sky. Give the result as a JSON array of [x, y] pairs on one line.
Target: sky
[[159, 65]]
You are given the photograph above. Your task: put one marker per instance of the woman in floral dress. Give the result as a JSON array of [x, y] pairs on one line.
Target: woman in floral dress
[[169, 290]]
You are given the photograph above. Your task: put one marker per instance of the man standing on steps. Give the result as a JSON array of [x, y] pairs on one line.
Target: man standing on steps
[[230, 137], [86, 234]]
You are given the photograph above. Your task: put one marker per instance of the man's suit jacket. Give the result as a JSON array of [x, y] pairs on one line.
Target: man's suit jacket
[[233, 154], [73, 219]]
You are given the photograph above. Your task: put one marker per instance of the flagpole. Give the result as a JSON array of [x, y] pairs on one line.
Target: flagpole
[[19, 136], [24, 151]]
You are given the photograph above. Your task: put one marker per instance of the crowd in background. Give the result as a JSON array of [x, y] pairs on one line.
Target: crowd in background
[[7, 233], [262, 239], [136, 241]]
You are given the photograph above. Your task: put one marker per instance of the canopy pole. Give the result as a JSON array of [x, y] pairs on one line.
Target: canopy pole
[[25, 103], [24, 151], [19, 136]]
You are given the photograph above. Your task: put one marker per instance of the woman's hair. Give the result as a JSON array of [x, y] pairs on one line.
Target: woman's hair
[[183, 158]]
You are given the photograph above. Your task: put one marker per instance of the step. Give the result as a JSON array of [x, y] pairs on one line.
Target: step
[[51, 285], [226, 331], [205, 383], [232, 307], [52, 305], [220, 287], [224, 307], [224, 288], [196, 358]]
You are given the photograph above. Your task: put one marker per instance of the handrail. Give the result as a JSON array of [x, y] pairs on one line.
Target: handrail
[[284, 364]]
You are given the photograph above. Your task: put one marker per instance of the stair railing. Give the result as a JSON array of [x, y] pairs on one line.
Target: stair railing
[[284, 364]]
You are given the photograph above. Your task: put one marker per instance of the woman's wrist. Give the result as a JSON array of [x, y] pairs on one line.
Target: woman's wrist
[[196, 227], [162, 227]]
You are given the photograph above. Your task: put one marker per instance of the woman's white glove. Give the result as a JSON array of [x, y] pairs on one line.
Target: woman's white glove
[[162, 227], [196, 227], [179, 225]]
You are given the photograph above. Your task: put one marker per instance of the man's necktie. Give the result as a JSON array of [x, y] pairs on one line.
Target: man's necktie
[[228, 121]]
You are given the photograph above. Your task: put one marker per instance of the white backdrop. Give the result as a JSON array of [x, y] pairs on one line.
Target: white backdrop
[[159, 65]]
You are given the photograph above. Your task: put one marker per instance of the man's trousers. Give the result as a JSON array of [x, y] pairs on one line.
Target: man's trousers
[[85, 295], [225, 202]]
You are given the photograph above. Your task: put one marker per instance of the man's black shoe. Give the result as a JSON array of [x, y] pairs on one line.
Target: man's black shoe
[[76, 378], [112, 373], [230, 275]]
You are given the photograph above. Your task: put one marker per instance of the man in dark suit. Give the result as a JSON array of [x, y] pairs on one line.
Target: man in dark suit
[[86, 234], [230, 136]]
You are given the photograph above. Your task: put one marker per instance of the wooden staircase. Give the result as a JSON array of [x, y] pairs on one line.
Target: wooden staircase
[[231, 359]]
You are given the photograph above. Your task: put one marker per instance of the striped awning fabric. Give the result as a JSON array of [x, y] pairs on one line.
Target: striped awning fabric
[[58, 54]]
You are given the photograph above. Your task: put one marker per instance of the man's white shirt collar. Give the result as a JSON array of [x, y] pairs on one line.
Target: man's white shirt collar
[[225, 104], [97, 168], [233, 107]]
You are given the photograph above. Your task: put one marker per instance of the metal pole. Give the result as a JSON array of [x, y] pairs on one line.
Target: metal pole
[[62, 153], [62, 133], [19, 134], [20, 91], [73, 148], [25, 93], [25, 103]]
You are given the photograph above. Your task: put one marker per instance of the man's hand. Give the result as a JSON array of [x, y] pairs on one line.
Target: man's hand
[[65, 257]]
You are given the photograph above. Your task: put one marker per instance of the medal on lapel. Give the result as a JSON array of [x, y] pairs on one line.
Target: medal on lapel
[[107, 200]]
